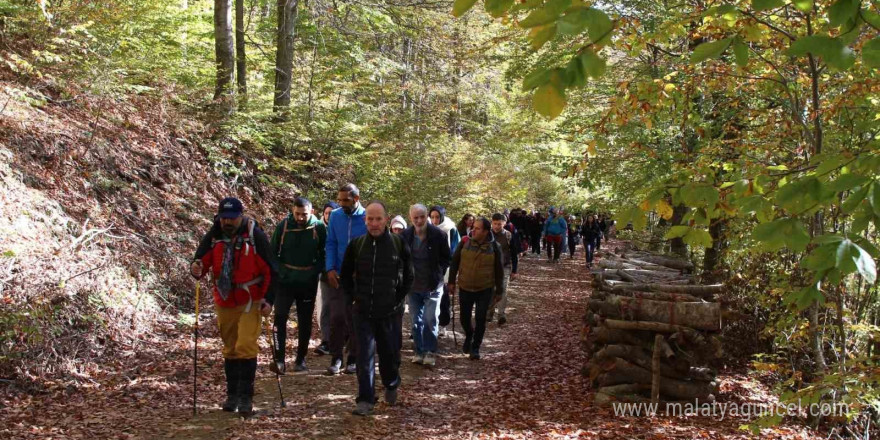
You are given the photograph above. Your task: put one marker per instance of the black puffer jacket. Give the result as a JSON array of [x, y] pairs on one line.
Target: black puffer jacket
[[376, 276]]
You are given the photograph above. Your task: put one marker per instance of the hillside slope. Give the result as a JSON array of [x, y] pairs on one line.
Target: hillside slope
[[103, 202]]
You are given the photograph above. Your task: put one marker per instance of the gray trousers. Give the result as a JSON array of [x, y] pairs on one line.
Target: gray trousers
[[322, 308]]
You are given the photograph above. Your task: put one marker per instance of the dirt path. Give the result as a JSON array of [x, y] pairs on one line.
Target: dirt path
[[528, 385]]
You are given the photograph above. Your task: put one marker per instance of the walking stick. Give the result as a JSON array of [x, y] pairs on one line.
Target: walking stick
[[452, 309], [277, 372], [196, 346]]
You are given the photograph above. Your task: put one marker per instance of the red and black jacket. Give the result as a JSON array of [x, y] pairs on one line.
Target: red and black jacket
[[254, 269]]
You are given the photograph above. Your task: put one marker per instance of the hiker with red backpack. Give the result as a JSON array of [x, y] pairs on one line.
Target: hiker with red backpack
[[298, 242], [477, 267], [377, 274], [237, 254]]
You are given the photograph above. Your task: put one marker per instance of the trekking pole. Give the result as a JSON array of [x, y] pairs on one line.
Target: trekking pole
[[452, 309], [277, 372], [196, 346]]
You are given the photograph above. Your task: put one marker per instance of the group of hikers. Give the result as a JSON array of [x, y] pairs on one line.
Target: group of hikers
[[356, 269]]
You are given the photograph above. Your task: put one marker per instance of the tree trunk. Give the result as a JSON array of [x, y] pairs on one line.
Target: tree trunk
[[619, 371], [656, 296], [714, 254], [696, 290], [644, 358], [224, 50], [671, 263], [287, 15], [698, 315], [605, 335], [677, 245], [689, 334], [240, 57], [655, 369]]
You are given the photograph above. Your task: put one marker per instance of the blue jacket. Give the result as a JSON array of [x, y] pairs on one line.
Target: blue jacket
[[343, 228], [555, 226]]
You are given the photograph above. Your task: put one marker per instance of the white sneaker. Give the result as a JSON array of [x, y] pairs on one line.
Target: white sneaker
[[418, 359], [430, 359]]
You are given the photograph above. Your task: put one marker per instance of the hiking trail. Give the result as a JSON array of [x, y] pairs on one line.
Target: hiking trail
[[528, 385]]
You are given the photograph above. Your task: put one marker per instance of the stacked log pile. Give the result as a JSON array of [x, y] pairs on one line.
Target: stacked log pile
[[650, 330]]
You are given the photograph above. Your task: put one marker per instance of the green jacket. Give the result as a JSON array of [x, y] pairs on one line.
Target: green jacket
[[299, 251]]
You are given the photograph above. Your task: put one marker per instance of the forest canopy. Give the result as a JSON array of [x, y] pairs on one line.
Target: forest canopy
[[739, 134]]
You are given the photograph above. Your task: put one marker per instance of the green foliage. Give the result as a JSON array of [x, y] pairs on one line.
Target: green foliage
[[712, 49], [832, 50]]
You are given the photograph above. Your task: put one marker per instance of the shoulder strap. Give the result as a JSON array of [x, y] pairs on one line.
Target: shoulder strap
[[283, 233]]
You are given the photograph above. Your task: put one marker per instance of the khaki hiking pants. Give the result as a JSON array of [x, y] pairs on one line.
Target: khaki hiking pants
[[502, 304], [239, 331]]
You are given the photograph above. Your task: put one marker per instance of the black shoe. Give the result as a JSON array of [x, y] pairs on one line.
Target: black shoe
[[501, 321], [231, 367], [299, 366], [334, 368], [475, 354], [246, 387], [466, 347], [322, 349], [391, 396], [351, 368]]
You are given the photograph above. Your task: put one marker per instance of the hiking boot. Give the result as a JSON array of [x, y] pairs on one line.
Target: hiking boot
[[322, 349], [246, 387], [441, 333], [363, 409], [351, 368], [418, 359], [501, 321], [466, 347], [299, 366], [278, 367], [430, 359], [231, 367], [475, 354], [335, 367], [391, 396]]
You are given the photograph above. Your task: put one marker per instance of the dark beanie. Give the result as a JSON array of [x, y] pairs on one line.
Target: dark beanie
[[333, 205]]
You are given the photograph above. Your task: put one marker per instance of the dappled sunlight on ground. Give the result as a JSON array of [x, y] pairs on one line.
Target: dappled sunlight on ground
[[528, 385]]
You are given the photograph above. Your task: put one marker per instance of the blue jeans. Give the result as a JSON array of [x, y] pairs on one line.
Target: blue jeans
[[382, 335], [589, 247], [424, 307]]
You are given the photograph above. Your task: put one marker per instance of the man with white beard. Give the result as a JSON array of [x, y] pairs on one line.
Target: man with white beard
[[429, 250]]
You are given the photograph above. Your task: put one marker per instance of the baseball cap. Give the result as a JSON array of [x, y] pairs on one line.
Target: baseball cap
[[230, 207]]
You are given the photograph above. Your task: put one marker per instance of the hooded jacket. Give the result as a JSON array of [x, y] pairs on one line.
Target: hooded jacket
[[448, 226], [555, 225], [398, 220], [375, 276], [252, 263], [299, 250], [343, 228]]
